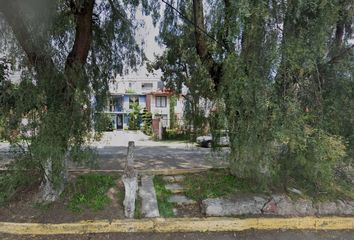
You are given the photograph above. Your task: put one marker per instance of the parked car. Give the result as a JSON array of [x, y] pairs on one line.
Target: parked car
[[208, 140]]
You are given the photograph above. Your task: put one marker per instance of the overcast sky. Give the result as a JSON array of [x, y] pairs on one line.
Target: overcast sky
[[146, 34]]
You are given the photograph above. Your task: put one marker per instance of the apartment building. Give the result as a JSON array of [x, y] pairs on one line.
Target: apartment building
[[147, 93]]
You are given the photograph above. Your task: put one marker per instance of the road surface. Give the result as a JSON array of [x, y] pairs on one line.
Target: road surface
[[148, 155], [246, 235]]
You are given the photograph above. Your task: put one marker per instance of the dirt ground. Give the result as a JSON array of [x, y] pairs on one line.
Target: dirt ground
[[25, 209], [246, 235], [192, 210]]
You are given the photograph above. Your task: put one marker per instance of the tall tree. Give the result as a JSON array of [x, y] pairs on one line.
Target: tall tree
[[67, 51], [278, 66]]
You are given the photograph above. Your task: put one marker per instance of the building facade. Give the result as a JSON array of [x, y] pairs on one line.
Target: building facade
[[148, 94]]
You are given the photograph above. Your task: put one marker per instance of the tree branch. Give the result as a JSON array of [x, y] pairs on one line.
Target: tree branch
[[214, 68], [340, 55], [32, 46], [227, 19], [83, 36]]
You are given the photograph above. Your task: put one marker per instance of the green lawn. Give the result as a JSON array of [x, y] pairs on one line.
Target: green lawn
[[219, 183], [88, 191]]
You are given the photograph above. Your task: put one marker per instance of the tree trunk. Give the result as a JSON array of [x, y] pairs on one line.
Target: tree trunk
[[50, 192], [214, 68]]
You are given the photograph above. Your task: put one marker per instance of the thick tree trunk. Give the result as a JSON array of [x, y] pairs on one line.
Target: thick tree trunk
[[58, 84], [49, 191]]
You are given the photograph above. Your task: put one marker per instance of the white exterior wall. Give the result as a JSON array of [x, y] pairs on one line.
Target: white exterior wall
[[126, 87], [179, 110], [161, 110], [121, 86]]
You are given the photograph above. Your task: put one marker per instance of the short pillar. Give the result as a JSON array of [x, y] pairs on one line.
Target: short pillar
[[130, 180]]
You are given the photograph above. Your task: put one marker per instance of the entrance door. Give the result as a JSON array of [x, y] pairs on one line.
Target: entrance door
[[120, 121]]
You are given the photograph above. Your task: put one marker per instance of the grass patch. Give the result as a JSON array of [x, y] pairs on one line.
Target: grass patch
[[216, 183], [13, 182], [121, 196], [219, 183], [89, 191], [339, 189], [162, 195], [137, 212]]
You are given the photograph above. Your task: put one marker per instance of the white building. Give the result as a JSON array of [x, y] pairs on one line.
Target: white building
[[147, 93]]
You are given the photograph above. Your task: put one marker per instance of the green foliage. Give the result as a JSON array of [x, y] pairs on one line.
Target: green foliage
[[162, 195], [9, 184], [84, 155], [58, 91], [16, 179], [130, 91], [137, 213], [174, 134], [307, 154], [286, 84], [89, 191], [247, 110], [220, 183], [173, 117], [217, 183], [103, 122], [147, 122], [134, 117]]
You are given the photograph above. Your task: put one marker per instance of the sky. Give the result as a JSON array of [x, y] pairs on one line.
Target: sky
[[146, 34]]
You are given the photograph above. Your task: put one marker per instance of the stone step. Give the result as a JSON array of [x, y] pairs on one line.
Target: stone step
[[180, 200], [149, 207], [173, 179], [174, 188]]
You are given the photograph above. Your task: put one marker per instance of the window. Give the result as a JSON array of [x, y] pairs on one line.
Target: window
[[146, 86], [111, 105], [161, 101]]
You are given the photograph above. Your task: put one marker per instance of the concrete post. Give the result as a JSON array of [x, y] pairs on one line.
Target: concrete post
[[130, 180]]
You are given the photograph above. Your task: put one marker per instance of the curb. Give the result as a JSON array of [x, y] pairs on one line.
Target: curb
[[179, 225]]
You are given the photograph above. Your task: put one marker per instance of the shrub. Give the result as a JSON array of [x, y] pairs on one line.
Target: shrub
[[147, 122], [310, 157], [134, 120], [103, 122], [174, 134]]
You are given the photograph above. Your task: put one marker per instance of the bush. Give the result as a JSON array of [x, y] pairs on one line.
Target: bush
[[16, 178], [134, 120], [310, 157], [103, 122], [147, 121], [174, 134]]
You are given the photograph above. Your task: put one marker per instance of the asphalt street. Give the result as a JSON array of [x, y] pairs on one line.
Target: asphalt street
[[148, 154], [245, 235]]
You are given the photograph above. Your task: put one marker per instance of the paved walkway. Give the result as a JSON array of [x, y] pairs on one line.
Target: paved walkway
[[149, 205]]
